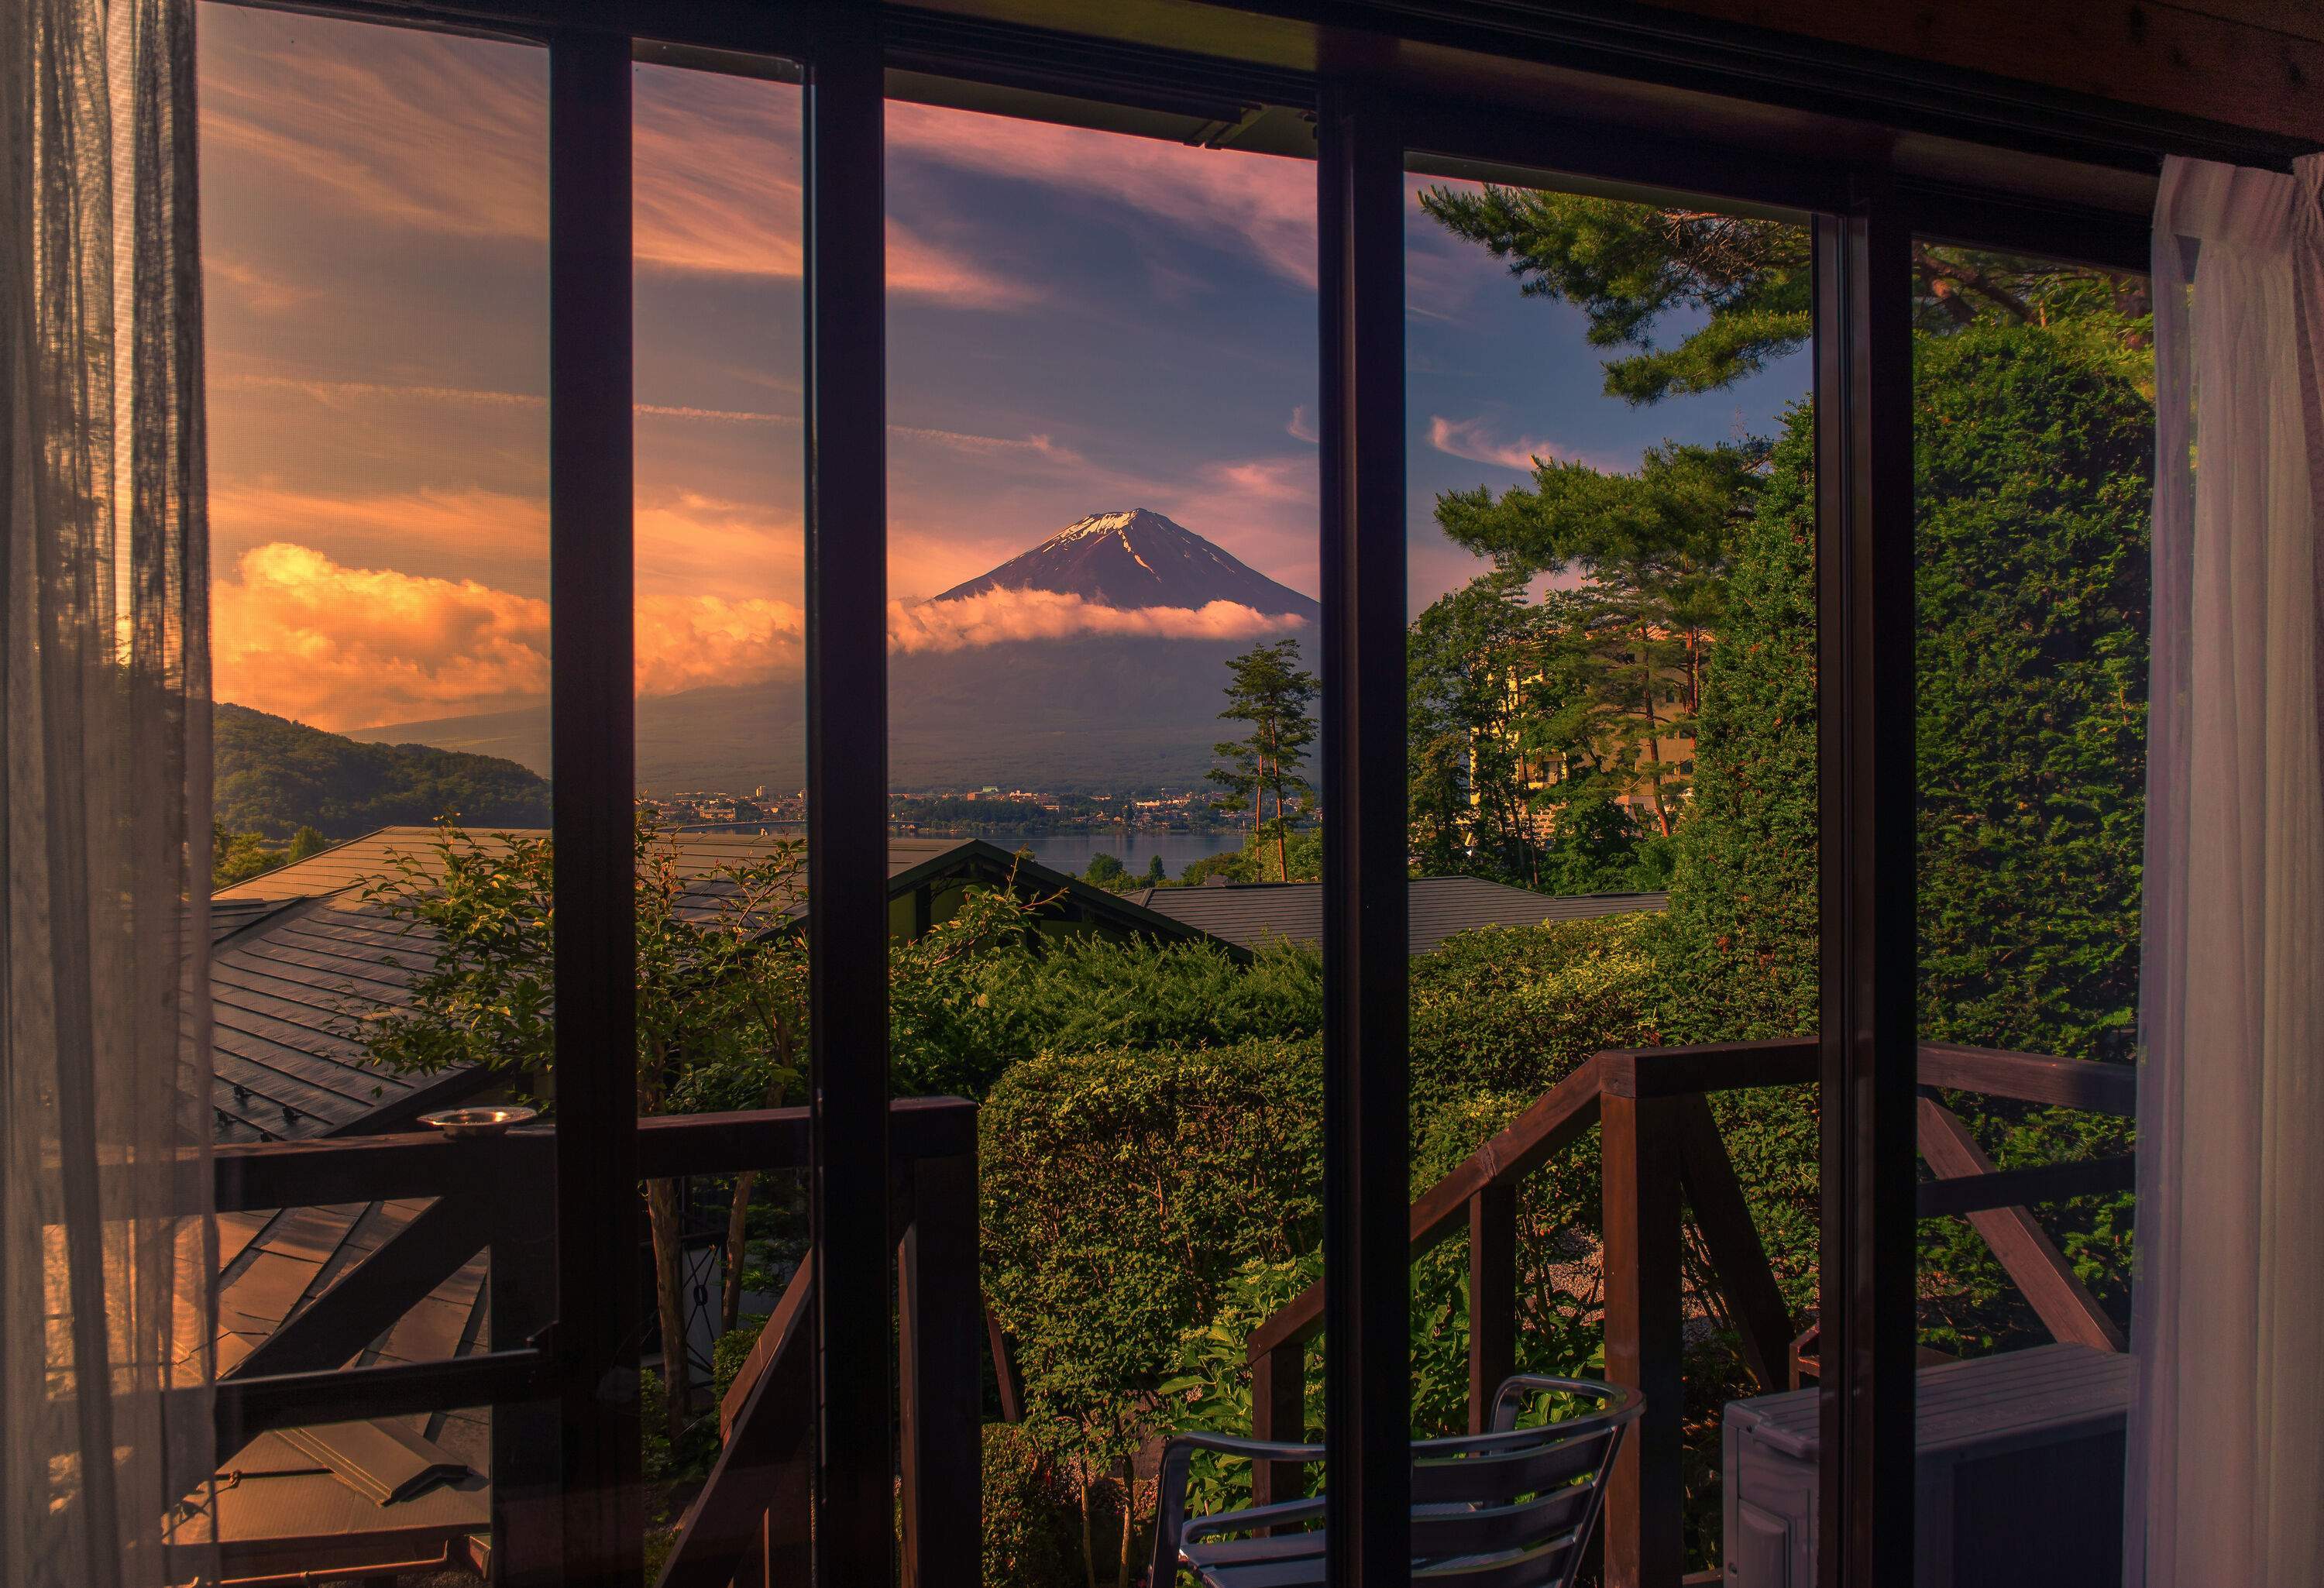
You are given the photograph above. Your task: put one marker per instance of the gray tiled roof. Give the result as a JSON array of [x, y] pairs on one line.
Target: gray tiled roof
[[289, 992], [1253, 913]]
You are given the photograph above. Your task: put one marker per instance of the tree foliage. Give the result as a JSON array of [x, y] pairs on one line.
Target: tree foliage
[[236, 857], [1269, 692], [1743, 892], [1742, 286], [1625, 645]]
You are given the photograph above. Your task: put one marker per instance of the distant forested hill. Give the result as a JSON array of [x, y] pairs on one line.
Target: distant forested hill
[[274, 776]]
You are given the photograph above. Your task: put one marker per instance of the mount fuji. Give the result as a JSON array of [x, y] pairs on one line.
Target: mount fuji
[[1139, 560], [1108, 710]]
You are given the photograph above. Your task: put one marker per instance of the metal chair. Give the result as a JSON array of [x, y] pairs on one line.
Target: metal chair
[[1507, 1508]]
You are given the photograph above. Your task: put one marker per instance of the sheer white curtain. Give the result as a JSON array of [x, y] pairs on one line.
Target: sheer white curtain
[[105, 1238], [2226, 1461]]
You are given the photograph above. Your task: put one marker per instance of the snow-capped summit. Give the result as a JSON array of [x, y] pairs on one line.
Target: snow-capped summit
[[1138, 558]]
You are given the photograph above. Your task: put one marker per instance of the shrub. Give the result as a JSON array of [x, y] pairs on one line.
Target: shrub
[[1120, 1189], [1075, 994], [1518, 1009], [1032, 1516]]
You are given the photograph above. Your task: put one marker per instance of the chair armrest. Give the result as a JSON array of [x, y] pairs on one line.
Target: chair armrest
[[1616, 1402], [1170, 1487], [1229, 1444]]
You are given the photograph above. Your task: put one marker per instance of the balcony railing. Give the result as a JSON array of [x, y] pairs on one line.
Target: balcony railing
[[497, 1196], [1662, 1154], [1659, 1145]]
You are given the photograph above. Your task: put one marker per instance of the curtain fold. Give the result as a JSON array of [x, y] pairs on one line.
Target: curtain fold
[[2226, 1445], [108, 1243]]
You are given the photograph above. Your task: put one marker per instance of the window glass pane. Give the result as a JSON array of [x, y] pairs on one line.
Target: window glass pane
[[1102, 543], [720, 729], [2033, 446], [1612, 798], [375, 213]]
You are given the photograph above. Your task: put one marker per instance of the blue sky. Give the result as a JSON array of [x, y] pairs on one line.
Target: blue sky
[[1078, 322]]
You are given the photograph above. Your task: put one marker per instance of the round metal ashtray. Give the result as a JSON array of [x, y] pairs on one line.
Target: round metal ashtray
[[462, 1122]]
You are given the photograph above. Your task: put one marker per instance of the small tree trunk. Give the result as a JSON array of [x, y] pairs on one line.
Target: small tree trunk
[[730, 1304], [1089, 1545], [663, 1215], [1129, 1518]]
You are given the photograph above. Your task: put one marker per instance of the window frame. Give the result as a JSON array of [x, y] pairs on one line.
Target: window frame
[[1864, 213]]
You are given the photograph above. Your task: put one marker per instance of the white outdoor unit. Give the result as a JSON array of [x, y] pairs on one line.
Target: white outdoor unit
[[2021, 1472]]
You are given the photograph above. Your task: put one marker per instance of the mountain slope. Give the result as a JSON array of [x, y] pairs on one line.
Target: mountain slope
[[1103, 712], [274, 776], [1136, 559], [1091, 711]]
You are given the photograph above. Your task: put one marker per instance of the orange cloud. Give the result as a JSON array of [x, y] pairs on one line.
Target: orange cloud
[[687, 642], [1268, 479], [998, 616], [451, 134], [294, 633], [297, 634], [717, 185]]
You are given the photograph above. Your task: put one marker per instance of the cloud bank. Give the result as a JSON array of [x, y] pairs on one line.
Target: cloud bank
[[304, 636], [297, 634], [998, 616]]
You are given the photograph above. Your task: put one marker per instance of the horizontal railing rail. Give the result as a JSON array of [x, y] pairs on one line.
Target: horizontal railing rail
[[1662, 1158], [497, 1196], [426, 1163]]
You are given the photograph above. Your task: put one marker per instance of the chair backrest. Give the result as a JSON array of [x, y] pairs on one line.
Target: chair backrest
[[1513, 1508]]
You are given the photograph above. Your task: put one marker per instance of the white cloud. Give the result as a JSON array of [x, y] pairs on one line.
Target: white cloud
[[1301, 427], [998, 616]]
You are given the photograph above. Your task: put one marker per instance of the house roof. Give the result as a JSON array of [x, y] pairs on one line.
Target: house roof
[[292, 987], [300, 960], [1251, 914], [356, 1494]]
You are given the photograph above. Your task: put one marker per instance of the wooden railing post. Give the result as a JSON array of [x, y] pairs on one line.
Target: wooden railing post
[[1644, 1543], [1278, 1411], [1492, 1297], [940, 1304], [1739, 1261]]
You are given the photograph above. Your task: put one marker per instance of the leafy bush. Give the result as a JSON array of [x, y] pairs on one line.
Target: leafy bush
[[1071, 995], [1122, 1189], [1032, 1514], [1258, 860], [1518, 1009]]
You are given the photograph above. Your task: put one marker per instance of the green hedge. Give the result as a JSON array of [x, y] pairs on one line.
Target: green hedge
[[1120, 1189]]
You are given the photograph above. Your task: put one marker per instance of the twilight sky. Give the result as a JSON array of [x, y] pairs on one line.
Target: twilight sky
[[1078, 322]]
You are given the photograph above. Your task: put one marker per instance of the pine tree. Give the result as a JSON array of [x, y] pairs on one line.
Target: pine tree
[[1651, 550], [1745, 284], [1269, 691]]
